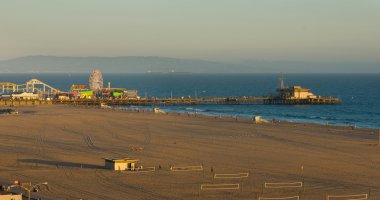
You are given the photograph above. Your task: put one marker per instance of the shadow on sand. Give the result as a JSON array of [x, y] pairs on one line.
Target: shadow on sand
[[60, 163]]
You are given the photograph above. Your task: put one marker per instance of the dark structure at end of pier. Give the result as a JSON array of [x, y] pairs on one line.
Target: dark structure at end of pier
[[297, 95]]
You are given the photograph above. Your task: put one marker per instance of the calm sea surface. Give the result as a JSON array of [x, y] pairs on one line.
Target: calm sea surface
[[360, 93]]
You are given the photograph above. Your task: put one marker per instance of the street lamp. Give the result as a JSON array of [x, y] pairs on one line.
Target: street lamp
[[31, 187]]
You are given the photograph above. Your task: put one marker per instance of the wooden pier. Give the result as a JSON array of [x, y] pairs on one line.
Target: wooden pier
[[202, 101], [295, 95], [311, 101], [11, 103], [178, 101], [168, 101]]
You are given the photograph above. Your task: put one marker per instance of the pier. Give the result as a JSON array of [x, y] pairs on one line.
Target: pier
[[168, 101], [36, 92], [176, 101], [312, 101], [204, 101]]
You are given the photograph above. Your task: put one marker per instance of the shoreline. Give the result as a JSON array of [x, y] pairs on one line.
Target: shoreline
[[232, 117], [301, 119], [206, 116], [351, 126]]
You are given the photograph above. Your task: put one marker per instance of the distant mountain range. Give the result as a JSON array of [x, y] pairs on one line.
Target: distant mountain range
[[139, 64], [128, 64]]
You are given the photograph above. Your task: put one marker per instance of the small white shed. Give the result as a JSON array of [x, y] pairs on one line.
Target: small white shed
[[120, 164]]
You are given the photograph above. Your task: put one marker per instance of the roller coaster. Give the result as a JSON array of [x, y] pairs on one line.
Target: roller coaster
[[33, 85]]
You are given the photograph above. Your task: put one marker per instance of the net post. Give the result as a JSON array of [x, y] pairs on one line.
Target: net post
[[369, 190], [203, 171], [241, 185], [303, 179], [199, 191]]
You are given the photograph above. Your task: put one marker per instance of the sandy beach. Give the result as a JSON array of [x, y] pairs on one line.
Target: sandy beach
[[64, 145]]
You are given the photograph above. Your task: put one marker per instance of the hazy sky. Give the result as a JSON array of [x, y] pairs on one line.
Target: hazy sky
[[306, 30]]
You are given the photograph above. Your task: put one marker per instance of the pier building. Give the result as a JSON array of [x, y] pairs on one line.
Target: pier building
[[80, 92], [297, 95], [25, 96], [296, 92]]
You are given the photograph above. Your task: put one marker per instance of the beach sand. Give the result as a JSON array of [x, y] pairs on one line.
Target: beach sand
[[64, 145]]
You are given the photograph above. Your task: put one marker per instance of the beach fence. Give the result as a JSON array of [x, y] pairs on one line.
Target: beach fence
[[231, 176], [220, 187], [187, 168], [348, 197], [280, 198], [283, 185], [143, 170]]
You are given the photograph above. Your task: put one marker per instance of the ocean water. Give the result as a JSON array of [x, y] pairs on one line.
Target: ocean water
[[360, 93]]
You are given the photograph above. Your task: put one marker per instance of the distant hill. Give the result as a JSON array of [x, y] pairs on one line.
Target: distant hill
[[140, 64], [129, 64]]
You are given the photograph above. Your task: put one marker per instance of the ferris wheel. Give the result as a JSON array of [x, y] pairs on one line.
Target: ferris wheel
[[96, 80]]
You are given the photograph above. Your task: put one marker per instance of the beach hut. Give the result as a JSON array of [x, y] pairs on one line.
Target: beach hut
[[25, 96], [121, 164]]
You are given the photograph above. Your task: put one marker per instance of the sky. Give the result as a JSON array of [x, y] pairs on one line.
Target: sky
[[219, 30]]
